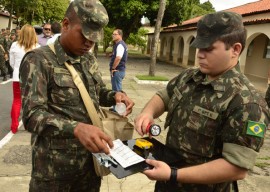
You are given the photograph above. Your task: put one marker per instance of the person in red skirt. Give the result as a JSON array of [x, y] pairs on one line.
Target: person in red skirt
[[26, 42]]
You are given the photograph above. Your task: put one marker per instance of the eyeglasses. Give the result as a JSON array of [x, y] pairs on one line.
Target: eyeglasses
[[47, 29], [114, 34]]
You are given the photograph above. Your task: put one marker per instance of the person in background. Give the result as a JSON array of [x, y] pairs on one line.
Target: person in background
[[45, 35], [56, 30], [267, 94], [8, 31], [63, 135], [3, 58], [216, 118], [118, 61], [27, 42], [7, 44], [17, 32]]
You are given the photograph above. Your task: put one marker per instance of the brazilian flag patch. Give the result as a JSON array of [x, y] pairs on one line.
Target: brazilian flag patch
[[255, 128]]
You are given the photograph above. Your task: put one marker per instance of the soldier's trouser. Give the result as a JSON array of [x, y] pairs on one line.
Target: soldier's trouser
[[84, 183], [162, 186], [8, 68], [3, 68]]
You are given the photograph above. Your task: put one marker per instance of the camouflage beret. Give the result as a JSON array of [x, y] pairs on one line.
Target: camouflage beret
[[212, 26], [93, 16]]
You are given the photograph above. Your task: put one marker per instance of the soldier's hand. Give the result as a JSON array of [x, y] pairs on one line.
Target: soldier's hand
[[142, 121], [93, 138], [160, 171], [122, 97]]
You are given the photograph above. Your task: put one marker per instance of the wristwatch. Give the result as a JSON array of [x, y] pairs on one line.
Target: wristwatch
[[173, 177]]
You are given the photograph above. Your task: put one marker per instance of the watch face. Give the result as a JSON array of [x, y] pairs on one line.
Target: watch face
[[155, 130]]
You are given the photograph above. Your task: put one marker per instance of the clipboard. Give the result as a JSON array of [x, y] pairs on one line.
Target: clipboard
[[159, 152]]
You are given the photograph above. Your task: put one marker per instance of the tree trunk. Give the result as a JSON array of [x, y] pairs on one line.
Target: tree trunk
[[153, 54], [10, 16]]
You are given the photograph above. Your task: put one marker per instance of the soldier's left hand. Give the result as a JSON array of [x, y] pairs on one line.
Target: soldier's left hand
[[160, 172], [122, 97], [92, 138]]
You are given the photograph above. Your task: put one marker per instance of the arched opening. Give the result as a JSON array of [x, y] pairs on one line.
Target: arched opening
[[257, 64], [192, 53], [171, 49], [180, 50]]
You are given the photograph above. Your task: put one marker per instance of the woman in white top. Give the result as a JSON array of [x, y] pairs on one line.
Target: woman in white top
[[26, 42]]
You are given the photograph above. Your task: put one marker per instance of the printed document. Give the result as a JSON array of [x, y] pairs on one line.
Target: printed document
[[124, 155]]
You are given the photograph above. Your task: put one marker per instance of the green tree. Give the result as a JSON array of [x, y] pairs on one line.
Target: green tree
[[36, 11], [107, 38], [127, 14], [201, 9], [138, 39], [153, 54]]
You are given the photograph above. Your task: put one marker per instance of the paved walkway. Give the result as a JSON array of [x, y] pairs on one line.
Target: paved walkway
[[15, 156]]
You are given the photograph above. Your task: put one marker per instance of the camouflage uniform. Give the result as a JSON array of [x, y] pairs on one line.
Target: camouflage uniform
[[7, 45], [52, 108], [267, 96], [214, 123], [3, 68]]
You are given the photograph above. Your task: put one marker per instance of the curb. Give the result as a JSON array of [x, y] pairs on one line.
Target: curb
[[150, 82]]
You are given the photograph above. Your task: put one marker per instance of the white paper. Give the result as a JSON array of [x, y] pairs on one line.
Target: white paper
[[124, 155]]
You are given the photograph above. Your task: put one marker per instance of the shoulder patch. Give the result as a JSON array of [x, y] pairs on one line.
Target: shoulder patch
[[255, 128]]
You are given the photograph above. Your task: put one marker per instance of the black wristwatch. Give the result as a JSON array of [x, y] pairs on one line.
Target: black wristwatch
[[173, 177]]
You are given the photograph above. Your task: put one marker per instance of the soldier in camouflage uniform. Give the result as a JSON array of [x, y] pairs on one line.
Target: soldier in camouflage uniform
[[63, 136], [7, 44], [3, 55], [216, 118], [267, 95], [3, 58]]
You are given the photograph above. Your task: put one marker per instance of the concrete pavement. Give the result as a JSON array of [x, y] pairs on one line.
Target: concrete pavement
[[15, 155]]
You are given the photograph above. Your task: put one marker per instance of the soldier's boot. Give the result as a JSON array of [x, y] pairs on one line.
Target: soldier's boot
[[5, 78]]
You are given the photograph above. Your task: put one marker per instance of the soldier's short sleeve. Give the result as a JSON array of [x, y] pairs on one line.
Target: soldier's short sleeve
[[166, 93], [267, 96], [243, 131]]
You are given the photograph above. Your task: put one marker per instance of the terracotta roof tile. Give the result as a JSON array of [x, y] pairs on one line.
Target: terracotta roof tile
[[246, 9]]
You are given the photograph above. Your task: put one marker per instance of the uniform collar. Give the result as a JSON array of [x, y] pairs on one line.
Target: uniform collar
[[61, 55], [226, 81]]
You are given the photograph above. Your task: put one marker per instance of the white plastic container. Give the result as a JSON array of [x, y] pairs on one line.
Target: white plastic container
[[120, 108]]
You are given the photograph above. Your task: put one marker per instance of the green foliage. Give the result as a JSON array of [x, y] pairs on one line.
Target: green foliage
[[36, 11], [202, 9], [107, 41], [127, 14], [138, 39], [152, 78]]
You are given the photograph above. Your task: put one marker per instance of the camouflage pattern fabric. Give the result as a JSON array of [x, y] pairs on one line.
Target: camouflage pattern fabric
[[80, 184], [52, 107], [212, 26], [3, 68], [203, 116], [93, 16], [267, 96], [8, 44]]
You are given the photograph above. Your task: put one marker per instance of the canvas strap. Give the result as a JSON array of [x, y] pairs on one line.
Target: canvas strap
[[88, 102]]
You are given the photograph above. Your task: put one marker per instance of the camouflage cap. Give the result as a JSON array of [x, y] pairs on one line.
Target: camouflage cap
[[93, 16], [212, 26]]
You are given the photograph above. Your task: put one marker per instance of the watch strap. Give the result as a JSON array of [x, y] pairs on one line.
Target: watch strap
[[173, 177]]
